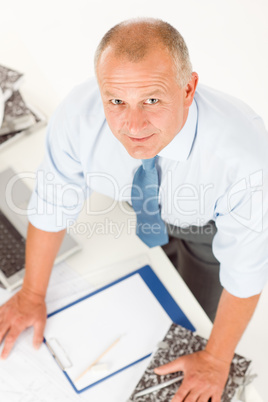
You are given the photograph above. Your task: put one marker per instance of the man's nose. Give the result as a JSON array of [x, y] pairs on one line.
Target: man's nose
[[135, 121]]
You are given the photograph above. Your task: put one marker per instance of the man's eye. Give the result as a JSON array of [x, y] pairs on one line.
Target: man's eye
[[116, 102], [152, 101]]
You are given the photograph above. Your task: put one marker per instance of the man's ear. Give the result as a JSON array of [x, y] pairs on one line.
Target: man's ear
[[190, 90]]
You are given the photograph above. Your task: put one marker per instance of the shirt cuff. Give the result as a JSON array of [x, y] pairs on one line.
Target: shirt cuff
[[50, 217], [243, 285]]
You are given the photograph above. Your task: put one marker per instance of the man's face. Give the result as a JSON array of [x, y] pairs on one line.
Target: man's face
[[144, 106]]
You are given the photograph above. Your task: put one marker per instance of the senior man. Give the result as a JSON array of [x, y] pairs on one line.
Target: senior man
[[207, 150]]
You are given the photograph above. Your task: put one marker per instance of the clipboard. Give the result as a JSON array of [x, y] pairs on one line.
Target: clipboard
[[137, 308]]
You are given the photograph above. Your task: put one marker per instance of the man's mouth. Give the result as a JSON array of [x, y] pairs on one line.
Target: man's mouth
[[140, 139]]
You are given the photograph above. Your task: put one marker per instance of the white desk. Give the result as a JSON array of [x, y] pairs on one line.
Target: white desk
[[105, 250], [102, 251]]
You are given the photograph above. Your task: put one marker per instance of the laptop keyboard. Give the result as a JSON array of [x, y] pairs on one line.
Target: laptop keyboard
[[12, 248]]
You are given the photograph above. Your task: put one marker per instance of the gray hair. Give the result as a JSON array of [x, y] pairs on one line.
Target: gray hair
[[136, 37]]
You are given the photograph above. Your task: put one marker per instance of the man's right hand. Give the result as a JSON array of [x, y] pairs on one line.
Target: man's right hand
[[23, 310]]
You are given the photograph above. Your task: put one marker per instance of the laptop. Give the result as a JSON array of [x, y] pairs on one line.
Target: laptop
[[13, 231]]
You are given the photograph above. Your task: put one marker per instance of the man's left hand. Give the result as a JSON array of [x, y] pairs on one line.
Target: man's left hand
[[204, 377]]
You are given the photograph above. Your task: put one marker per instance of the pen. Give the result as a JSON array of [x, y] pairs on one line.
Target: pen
[[158, 386], [98, 358]]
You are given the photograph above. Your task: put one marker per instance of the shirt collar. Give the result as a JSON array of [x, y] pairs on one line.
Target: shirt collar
[[180, 147]]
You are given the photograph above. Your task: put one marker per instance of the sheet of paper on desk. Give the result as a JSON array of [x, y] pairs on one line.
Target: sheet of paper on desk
[[86, 329], [28, 375], [65, 286]]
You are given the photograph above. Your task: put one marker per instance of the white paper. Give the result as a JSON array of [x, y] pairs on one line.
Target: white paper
[[32, 376], [65, 286]]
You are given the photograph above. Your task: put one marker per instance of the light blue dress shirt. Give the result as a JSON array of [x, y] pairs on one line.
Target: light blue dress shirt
[[216, 168]]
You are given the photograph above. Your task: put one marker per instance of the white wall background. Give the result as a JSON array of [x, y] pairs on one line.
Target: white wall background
[[227, 40], [228, 44]]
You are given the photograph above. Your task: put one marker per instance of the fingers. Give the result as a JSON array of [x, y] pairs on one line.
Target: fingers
[[39, 328], [207, 398], [200, 393], [181, 394], [4, 327], [204, 379], [186, 394], [172, 367], [17, 314], [9, 341], [14, 332], [10, 329]]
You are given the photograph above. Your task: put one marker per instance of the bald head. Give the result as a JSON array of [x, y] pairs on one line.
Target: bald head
[[134, 39]]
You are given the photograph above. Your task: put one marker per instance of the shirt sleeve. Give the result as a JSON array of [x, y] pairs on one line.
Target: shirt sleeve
[[60, 188], [240, 244]]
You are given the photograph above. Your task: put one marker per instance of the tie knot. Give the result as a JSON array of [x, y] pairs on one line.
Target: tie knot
[[148, 163]]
